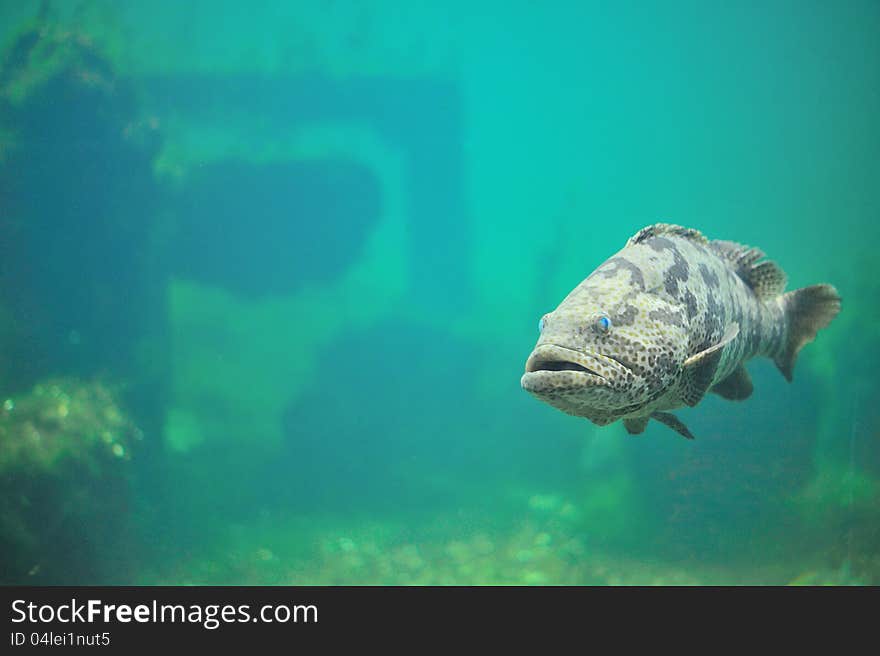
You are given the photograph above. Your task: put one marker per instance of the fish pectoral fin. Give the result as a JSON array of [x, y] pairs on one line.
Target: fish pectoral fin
[[736, 387], [699, 369], [673, 422], [635, 425], [728, 336]]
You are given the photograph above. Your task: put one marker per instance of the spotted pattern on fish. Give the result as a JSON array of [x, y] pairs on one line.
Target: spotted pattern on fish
[[665, 320], [613, 266], [626, 316], [709, 276]]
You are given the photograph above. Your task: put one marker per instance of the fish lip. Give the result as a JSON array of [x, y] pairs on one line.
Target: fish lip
[[537, 379], [546, 382], [588, 359]]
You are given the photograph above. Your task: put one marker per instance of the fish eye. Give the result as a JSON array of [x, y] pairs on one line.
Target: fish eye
[[542, 323], [602, 324]]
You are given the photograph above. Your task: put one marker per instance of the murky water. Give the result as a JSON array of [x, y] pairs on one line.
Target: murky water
[[269, 277]]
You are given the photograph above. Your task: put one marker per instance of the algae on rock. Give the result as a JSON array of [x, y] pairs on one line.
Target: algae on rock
[[65, 451]]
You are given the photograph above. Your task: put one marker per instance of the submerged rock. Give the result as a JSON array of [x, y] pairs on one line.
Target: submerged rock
[[65, 451]]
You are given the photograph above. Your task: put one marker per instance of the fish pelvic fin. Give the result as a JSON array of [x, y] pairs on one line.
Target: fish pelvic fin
[[673, 422], [807, 311]]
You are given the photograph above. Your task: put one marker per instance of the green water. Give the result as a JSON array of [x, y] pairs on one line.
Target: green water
[[269, 276]]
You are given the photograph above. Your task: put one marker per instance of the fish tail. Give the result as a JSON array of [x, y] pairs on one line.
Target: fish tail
[[807, 311]]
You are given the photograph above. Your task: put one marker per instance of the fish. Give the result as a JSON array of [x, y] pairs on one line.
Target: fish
[[670, 317]]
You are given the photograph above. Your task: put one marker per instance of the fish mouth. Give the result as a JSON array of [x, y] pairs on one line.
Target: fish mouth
[[560, 365], [552, 368]]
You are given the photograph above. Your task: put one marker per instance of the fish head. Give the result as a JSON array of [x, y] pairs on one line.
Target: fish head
[[607, 351]]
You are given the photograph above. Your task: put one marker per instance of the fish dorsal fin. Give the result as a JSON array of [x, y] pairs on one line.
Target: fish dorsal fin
[[699, 369], [666, 229], [765, 278]]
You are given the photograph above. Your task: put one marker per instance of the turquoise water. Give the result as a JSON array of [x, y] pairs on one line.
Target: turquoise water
[[269, 277]]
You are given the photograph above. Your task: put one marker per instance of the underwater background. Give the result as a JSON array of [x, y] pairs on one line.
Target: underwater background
[[269, 274]]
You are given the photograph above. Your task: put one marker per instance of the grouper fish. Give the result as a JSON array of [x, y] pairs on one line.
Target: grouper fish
[[667, 319]]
